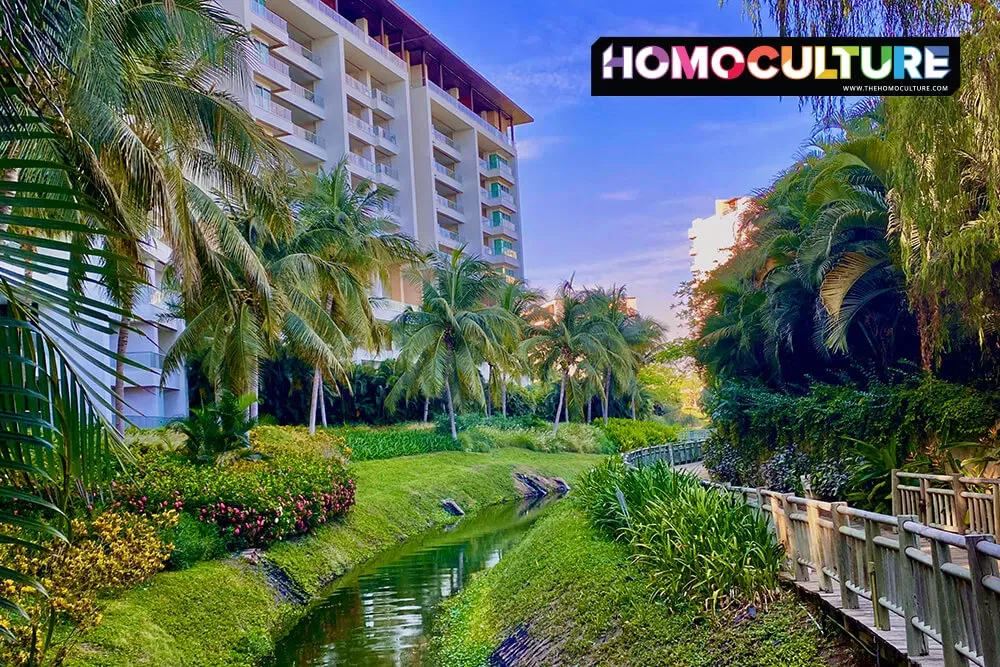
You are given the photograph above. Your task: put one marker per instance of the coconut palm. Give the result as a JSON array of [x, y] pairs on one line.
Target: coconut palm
[[347, 227], [520, 301], [444, 343], [568, 342]]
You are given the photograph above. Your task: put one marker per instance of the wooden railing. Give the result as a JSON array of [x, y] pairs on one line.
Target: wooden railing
[[672, 453], [940, 585], [949, 502]]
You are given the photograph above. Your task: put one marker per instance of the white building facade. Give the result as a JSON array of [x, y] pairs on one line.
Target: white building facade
[[712, 238], [363, 79]]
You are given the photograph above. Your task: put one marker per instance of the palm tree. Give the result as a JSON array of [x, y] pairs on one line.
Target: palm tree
[[172, 145], [444, 343], [520, 301], [347, 228], [569, 341]]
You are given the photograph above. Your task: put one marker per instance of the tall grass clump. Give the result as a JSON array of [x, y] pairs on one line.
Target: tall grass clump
[[368, 444], [698, 545], [629, 434]]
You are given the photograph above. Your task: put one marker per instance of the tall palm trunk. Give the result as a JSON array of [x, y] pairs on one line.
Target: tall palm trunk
[[503, 394], [607, 396], [255, 385], [590, 408], [120, 376], [566, 410], [633, 407], [427, 407], [489, 393], [317, 380], [559, 406], [322, 403], [451, 409]]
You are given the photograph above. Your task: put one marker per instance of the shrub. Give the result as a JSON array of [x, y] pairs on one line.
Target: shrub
[[217, 431], [250, 503], [193, 541], [112, 553], [464, 422], [367, 443], [630, 434], [324, 444], [579, 438], [699, 545]]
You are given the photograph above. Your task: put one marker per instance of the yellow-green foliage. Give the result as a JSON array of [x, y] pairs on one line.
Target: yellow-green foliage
[[110, 554], [579, 438], [571, 588], [629, 434], [275, 440]]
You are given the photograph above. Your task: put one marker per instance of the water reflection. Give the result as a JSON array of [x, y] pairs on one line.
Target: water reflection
[[383, 613]]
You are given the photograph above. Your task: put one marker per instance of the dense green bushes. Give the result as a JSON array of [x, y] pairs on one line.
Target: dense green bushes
[[834, 433], [579, 438], [704, 547], [628, 434], [285, 490]]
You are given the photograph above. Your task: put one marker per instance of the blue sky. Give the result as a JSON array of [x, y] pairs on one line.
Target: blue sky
[[609, 186]]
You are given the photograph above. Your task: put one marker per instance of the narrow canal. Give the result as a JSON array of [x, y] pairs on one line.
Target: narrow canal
[[383, 612]]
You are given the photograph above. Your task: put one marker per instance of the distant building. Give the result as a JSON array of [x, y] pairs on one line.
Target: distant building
[[713, 238]]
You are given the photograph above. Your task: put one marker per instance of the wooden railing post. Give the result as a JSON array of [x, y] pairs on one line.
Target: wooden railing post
[[873, 561], [906, 584], [995, 503], [948, 610], [924, 509], [848, 598], [816, 549], [799, 571], [983, 603], [897, 500], [961, 503], [670, 451]]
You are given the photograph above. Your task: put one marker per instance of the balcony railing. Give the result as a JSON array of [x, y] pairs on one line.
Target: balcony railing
[[357, 85], [447, 203], [484, 165], [359, 124], [272, 107], [384, 97], [360, 161], [469, 113], [260, 9], [447, 171], [271, 62], [387, 170], [307, 94], [501, 228], [445, 139], [453, 236], [390, 207], [505, 252], [387, 134], [503, 198], [308, 135], [304, 51], [150, 360]]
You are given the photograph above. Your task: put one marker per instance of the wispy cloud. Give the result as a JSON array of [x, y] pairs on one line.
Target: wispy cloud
[[530, 148], [637, 269], [620, 195]]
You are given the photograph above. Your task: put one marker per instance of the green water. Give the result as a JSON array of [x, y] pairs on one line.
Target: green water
[[383, 613]]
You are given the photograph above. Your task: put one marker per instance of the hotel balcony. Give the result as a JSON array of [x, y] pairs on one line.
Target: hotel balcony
[[387, 140], [359, 91], [449, 208], [386, 174], [361, 166], [505, 256], [273, 70], [450, 239], [384, 102], [503, 199], [302, 57], [267, 22], [151, 372], [447, 176], [391, 211], [272, 114], [499, 171], [446, 144], [306, 144], [304, 99], [385, 309], [477, 121], [507, 229], [361, 129]]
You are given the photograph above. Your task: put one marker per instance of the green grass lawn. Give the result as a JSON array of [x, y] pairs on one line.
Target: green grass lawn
[[224, 614], [581, 601]]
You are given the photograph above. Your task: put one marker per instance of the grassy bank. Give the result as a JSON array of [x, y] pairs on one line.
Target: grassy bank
[[569, 596], [225, 613]]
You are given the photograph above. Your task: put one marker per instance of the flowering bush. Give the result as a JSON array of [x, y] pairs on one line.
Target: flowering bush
[[251, 503], [112, 553]]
